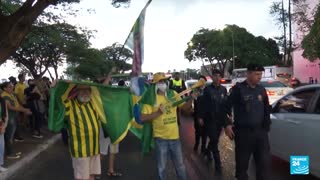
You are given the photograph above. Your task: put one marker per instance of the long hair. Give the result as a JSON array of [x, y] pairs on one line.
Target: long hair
[[3, 109]]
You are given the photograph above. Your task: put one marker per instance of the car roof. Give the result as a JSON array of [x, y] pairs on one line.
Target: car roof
[[268, 79], [191, 80], [310, 86], [301, 88]]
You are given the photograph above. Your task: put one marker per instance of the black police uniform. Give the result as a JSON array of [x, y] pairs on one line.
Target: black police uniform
[[199, 130], [251, 126], [214, 118]]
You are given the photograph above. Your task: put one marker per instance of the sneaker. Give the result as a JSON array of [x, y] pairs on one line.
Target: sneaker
[[13, 157], [39, 136], [19, 139], [2, 169], [19, 153]]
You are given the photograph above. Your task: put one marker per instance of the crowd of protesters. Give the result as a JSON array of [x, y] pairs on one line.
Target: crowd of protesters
[[24, 108]]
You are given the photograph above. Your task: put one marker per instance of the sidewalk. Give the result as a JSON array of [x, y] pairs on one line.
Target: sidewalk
[[30, 148]]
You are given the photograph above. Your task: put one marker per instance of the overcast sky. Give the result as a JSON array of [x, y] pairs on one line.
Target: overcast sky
[[170, 24]]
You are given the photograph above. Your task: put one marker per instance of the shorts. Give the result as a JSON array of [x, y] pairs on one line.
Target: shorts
[[84, 167], [106, 145]]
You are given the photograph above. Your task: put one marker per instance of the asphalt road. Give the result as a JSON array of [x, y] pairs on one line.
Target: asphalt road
[[55, 163]]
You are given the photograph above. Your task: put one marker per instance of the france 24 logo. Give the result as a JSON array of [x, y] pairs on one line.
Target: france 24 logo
[[299, 165]]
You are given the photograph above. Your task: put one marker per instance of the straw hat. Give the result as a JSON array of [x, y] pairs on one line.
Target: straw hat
[[158, 77]]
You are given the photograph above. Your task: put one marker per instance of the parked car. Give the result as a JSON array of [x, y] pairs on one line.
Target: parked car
[[295, 126], [190, 83], [294, 82], [275, 89], [227, 83], [224, 82]]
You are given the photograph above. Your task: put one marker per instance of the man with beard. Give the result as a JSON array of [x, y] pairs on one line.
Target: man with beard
[[83, 129]]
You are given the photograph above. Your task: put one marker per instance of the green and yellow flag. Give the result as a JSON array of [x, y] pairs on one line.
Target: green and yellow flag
[[114, 106], [144, 130]]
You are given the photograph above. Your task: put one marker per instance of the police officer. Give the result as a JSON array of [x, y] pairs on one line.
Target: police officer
[[252, 122], [213, 116], [199, 130], [178, 85]]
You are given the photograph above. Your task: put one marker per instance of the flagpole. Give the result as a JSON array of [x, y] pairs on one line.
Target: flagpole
[[145, 7], [142, 11]]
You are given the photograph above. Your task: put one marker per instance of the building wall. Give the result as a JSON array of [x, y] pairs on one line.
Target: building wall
[[303, 69]]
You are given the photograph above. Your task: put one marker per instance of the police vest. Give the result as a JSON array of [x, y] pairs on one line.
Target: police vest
[[177, 83]]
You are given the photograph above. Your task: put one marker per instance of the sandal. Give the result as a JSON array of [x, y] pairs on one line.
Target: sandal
[[114, 174]]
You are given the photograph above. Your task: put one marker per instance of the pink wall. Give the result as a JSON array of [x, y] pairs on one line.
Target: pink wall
[[302, 68]]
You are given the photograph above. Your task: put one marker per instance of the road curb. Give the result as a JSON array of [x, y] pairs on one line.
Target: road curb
[[29, 157]]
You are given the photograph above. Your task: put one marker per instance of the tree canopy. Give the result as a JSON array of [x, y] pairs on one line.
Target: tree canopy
[[220, 47], [18, 16], [118, 56], [46, 47], [101, 62], [311, 42], [301, 16]]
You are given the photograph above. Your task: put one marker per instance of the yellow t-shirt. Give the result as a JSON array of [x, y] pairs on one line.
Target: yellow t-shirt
[[19, 91], [166, 125]]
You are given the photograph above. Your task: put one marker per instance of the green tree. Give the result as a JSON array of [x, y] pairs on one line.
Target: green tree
[[119, 57], [81, 58], [232, 44], [301, 15], [18, 16], [311, 42], [285, 18], [192, 73], [46, 47], [282, 17], [101, 62]]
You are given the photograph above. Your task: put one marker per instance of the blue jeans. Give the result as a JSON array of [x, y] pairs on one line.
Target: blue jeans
[[11, 127], [169, 148], [1, 149], [9, 134]]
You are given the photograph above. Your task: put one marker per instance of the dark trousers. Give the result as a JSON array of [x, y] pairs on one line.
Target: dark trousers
[[9, 134], [17, 133], [19, 125], [178, 116], [252, 142], [200, 135], [37, 117], [38, 120], [65, 137], [8, 145], [213, 131]]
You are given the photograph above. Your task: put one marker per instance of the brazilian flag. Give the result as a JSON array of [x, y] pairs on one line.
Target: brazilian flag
[[114, 106]]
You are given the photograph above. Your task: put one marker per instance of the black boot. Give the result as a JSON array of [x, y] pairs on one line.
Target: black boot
[[217, 163], [209, 155], [196, 145], [203, 149]]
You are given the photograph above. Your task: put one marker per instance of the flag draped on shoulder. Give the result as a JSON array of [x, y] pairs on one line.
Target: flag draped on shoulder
[[113, 105], [135, 41], [144, 130]]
